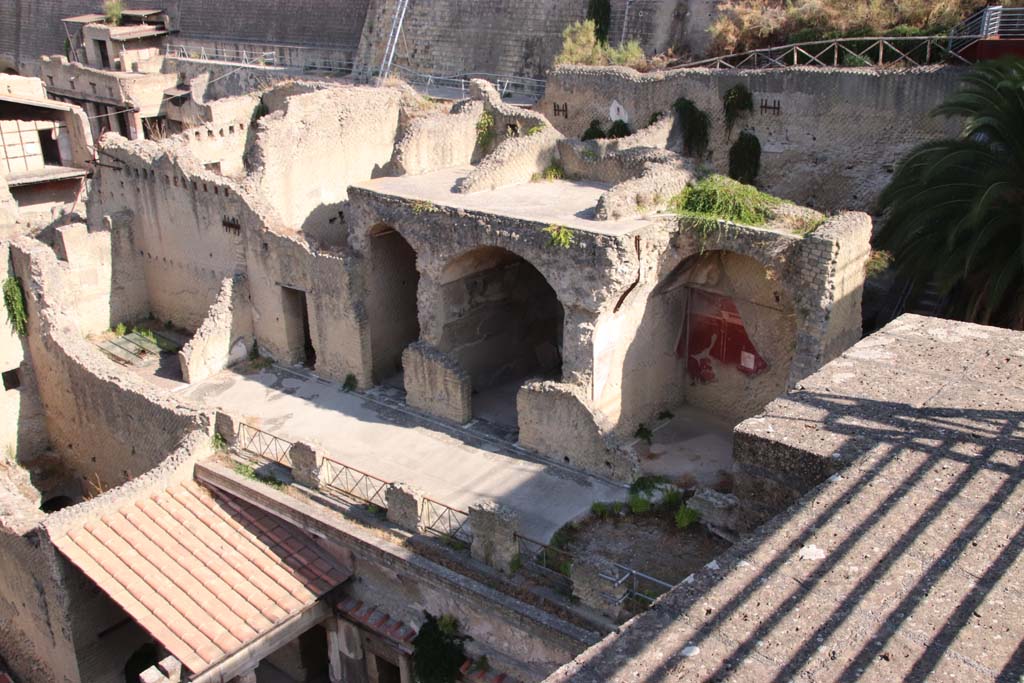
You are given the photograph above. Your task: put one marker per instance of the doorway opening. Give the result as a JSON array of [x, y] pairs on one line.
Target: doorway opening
[[50, 148], [296, 323], [101, 48], [503, 323], [392, 283]]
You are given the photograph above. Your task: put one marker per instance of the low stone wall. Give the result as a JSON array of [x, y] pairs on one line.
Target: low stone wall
[[554, 420], [435, 384], [224, 338], [649, 192]]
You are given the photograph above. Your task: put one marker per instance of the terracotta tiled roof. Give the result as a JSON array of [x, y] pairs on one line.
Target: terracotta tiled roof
[[204, 573]]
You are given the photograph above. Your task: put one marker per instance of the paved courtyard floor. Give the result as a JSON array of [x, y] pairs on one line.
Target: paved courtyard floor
[[454, 466]]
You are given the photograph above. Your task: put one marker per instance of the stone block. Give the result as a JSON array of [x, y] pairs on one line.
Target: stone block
[[494, 534], [152, 675], [436, 384], [404, 506], [226, 426], [305, 465], [593, 583], [720, 512], [171, 668]]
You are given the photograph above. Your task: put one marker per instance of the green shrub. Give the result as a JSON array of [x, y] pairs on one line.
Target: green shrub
[[686, 516], [745, 158], [716, 198], [113, 10], [145, 333], [14, 302], [878, 263], [655, 117], [249, 472], [594, 132], [219, 442], [581, 45], [485, 130], [120, 329], [737, 101], [619, 129], [696, 125], [647, 484], [560, 236], [350, 383], [533, 130], [552, 172], [644, 433], [439, 650], [422, 206], [638, 504]]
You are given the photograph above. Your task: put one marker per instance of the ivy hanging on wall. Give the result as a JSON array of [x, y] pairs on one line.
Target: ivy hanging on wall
[[737, 101], [696, 124], [439, 650], [14, 302], [745, 158]]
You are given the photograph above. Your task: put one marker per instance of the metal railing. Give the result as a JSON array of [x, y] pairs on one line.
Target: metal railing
[[639, 586], [308, 60], [263, 444], [872, 51], [548, 559], [443, 520], [507, 86], [338, 477], [988, 22], [218, 54]]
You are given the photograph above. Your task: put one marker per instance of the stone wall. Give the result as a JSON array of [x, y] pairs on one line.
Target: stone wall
[[304, 156], [108, 426], [225, 337], [831, 143]]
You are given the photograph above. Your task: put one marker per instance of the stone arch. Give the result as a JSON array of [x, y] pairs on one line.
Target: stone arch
[[741, 317], [392, 283], [501, 320]]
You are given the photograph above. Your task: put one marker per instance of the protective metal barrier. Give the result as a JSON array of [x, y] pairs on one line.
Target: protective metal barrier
[[445, 521], [348, 481], [263, 444]]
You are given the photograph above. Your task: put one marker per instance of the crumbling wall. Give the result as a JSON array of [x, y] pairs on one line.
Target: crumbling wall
[[303, 158], [107, 425], [437, 141], [225, 337], [830, 138]]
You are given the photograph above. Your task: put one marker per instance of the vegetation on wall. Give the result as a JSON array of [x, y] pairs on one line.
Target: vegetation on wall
[[439, 650], [114, 11], [954, 207], [485, 129], [696, 124], [717, 198], [554, 171], [619, 129], [600, 12], [593, 132], [745, 158], [580, 45], [750, 24], [14, 302], [559, 236], [737, 101]]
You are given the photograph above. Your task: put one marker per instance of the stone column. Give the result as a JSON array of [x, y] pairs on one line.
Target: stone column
[[404, 506], [333, 650], [305, 466], [225, 425], [494, 534], [436, 384]]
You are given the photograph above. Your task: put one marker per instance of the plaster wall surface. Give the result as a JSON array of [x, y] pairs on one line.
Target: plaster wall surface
[[831, 144]]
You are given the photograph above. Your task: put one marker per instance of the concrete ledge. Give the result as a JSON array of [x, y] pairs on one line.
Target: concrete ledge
[[436, 384]]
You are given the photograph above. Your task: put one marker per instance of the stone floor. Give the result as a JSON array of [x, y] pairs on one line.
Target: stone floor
[[452, 465], [691, 448]]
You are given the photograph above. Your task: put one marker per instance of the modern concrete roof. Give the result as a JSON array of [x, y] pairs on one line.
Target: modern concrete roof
[[906, 565], [205, 574]]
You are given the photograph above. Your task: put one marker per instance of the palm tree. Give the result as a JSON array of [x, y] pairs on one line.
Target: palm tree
[[955, 207]]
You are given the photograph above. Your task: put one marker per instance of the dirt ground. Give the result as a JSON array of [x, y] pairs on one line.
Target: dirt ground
[[650, 544]]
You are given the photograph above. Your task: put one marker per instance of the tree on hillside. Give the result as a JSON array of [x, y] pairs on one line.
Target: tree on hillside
[[600, 11], [954, 209]]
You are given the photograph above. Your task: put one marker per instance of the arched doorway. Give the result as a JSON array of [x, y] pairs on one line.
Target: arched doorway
[[503, 323], [392, 284]]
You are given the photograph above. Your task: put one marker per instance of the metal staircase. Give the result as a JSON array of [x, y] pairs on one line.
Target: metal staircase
[[396, 31]]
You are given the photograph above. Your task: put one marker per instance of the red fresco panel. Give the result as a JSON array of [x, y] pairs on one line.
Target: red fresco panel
[[716, 331]]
